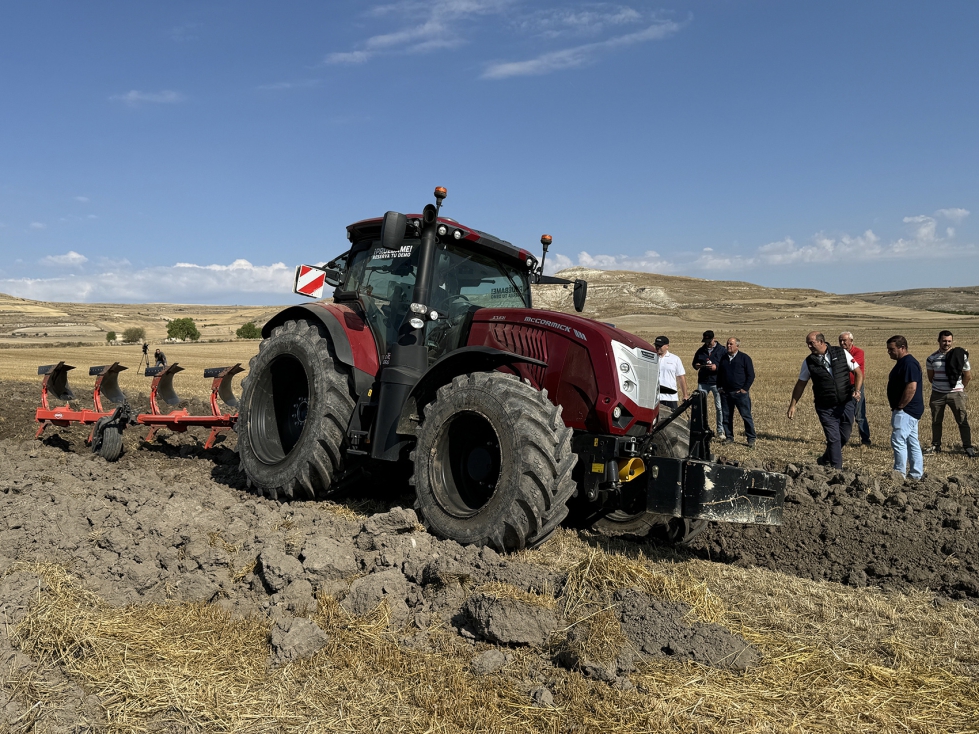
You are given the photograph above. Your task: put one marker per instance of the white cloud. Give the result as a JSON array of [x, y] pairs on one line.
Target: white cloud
[[577, 56], [182, 283], [135, 97], [70, 259], [185, 32], [82, 199], [649, 262], [427, 27], [589, 20], [956, 215], [38, 225], [301, 84], [823, 248]]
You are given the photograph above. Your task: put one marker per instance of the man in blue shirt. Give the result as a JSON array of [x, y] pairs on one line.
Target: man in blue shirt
[[705, 361], [735, 375], [904, 394]]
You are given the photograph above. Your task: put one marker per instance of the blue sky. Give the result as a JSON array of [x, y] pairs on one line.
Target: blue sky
[[199, 151]]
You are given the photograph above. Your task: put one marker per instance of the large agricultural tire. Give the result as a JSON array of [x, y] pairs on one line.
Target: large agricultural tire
[[493, 461], [673, 441], [295, 406], [107, 440]]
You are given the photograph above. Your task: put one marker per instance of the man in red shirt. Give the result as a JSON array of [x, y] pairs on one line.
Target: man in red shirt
[[860, 414]]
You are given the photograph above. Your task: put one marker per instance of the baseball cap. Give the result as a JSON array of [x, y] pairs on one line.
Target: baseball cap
[[708, 336], [660, 341]]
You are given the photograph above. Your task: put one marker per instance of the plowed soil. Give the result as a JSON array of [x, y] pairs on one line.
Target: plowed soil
[[174, 522]]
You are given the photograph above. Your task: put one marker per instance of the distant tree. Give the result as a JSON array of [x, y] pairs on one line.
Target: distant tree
[[110, 336], [183, 329], [134, 334], [249, 331]]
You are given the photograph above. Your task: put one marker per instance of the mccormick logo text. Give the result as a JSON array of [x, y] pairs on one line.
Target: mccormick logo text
[[555, 325]]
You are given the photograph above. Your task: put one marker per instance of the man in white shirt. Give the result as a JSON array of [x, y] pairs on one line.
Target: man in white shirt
[[672, 383]]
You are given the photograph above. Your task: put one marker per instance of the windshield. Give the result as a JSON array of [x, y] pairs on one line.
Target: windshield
[[462, 281]]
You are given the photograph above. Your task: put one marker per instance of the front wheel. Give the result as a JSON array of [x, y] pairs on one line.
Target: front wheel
[[492, 464], [296, 404]]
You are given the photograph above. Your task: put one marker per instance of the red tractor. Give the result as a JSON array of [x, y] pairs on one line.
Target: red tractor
[[432, 360]]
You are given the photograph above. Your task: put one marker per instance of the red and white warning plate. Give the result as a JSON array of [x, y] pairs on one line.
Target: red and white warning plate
[[310, 281]]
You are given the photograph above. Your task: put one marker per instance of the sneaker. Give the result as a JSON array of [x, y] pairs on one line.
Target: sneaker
[[751, 444], [897, 476], [971, 452], [866, 443], [728, 440], [822, 461], [932, 450]]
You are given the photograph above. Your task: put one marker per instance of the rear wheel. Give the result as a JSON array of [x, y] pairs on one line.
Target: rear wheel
[[296, 404], [492, 464], [673, 441]]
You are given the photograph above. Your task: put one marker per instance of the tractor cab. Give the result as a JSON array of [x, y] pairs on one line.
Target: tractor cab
[[471, 270]]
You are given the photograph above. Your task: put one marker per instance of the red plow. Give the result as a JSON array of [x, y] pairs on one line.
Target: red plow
[[105, 437]]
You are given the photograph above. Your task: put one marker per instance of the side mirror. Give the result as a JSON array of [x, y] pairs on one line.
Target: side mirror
[[393, 230], [580, 292], [333, 277]]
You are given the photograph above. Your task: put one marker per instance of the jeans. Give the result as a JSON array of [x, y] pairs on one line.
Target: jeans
[[671, 404], [837, 422], [904, 441], [717, 406], [741, 401], [860, 416], [956, 401]]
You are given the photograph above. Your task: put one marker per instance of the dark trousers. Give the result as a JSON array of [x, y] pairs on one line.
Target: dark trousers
[[741, 401], [837, 422], [860, 417], [671, 404], [956, 401]]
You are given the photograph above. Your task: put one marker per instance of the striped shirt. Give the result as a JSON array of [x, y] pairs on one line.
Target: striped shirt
[[936, 364]]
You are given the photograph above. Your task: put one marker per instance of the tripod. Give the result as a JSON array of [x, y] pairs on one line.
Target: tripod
[[144, 358]]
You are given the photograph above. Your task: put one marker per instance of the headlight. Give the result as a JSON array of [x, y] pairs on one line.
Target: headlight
[[416, 323], [457, 234], [442, 230]]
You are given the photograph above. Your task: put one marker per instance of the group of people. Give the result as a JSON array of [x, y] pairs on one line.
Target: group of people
[[837, 374], [725, 372]]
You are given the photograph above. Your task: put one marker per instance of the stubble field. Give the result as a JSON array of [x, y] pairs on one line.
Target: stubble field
[[151, 595]]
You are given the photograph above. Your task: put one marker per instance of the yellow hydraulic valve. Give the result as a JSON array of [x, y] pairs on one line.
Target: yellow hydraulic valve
[[629, 469]]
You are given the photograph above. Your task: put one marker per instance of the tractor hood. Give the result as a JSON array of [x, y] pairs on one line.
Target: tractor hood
[[592, 368]]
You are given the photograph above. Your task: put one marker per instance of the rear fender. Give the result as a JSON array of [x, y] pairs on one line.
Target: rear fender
[[353, 341], [460, 362]]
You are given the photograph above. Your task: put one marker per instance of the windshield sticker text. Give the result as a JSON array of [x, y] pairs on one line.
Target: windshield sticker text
[[382, 254]]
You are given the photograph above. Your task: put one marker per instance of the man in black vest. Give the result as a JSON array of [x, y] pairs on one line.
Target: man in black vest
[[829, 369]]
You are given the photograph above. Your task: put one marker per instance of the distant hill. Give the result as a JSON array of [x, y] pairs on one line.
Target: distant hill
[[22, 320], [633, 300], [949, 300]]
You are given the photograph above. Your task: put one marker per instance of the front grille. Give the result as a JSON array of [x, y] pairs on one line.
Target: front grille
[[648, 373]]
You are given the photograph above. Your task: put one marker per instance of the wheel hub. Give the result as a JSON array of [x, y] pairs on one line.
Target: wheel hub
[[466, 464]]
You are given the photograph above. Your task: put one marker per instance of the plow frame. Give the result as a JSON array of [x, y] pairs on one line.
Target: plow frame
[[56, 383], [180, 420]]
